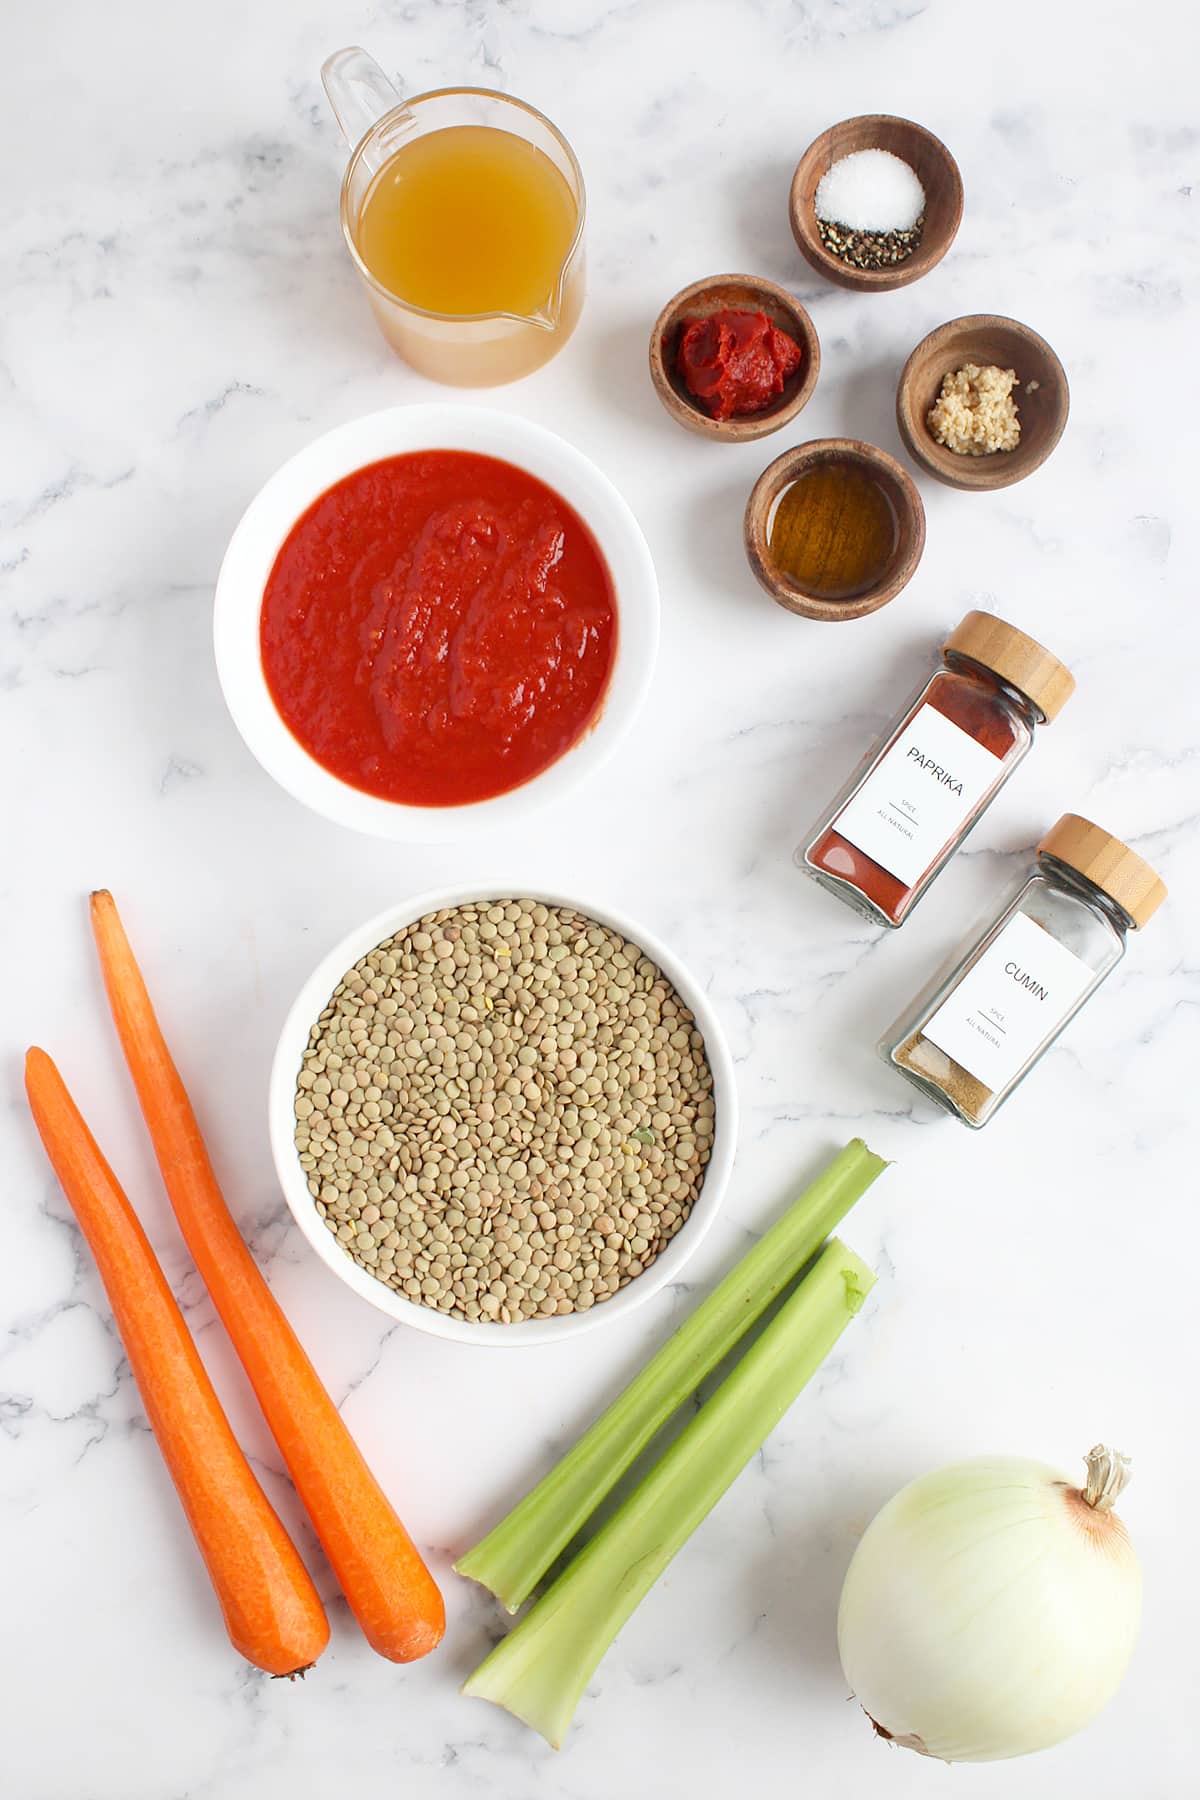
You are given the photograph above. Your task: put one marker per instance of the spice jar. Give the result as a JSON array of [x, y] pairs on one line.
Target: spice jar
[[910, 804], [969, 1039]]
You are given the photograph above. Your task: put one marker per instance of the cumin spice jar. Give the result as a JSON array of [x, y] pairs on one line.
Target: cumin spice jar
[[973, 1035], [912, 801]]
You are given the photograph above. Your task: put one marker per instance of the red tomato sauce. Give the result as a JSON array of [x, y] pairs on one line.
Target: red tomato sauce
[[438, 628]]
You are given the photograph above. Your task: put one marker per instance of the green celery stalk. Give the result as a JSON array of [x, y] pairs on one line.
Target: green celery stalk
[[539, 1671], [516, 1553]]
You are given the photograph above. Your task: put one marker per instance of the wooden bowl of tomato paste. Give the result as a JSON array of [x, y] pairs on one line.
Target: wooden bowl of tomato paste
[[734, 357], [434, 619]]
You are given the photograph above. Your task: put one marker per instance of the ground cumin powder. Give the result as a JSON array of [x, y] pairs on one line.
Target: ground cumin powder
[[963, 1090]]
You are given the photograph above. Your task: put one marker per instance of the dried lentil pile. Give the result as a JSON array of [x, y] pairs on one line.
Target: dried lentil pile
[[505, 1112]]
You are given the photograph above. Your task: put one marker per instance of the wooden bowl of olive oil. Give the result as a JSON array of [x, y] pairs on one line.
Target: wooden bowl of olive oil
[[834, 529]]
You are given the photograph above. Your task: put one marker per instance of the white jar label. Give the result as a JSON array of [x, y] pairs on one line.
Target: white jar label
[[1009, 1003], [918, 796]]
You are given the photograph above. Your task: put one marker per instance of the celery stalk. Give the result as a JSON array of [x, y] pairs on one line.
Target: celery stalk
[[516, 1553], [539, 1671]]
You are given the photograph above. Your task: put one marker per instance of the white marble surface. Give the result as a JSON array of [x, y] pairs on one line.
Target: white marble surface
[[178, 317]]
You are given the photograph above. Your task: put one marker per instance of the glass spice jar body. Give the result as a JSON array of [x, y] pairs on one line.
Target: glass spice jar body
[[912, 801], [972, 1036]]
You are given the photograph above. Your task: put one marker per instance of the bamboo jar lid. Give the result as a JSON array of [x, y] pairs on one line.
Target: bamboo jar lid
[[1107, 863], [1016, 658]]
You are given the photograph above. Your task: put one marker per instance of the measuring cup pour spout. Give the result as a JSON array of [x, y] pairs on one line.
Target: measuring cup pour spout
[[361, 94]]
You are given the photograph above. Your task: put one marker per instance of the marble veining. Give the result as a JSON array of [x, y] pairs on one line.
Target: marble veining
[[179, 316]]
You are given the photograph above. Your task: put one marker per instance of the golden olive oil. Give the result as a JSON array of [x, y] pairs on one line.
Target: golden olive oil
[[467, 220], [833, 531]]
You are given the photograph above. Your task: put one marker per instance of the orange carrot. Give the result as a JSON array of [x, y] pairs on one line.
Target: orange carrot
[[387, 1586], [272, 1611]]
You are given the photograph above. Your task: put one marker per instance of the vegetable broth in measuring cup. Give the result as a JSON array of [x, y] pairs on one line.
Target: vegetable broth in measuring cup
[[467, 220], [464, 212]]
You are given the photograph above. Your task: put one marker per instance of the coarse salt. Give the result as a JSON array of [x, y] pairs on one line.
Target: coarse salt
[[870, 190]]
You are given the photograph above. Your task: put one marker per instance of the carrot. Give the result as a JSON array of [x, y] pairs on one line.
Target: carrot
[[272, 1611], [387, 1586]]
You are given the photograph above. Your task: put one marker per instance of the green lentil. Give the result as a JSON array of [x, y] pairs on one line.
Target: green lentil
[[532, 1088]]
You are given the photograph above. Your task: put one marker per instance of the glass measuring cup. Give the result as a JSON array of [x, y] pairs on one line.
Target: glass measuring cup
[[466, 349]]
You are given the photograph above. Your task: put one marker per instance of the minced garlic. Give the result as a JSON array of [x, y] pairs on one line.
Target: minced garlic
[[975, 413]]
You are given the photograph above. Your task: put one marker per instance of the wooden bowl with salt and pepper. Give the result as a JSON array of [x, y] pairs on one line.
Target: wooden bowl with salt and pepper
[[1041, 395], [930, 162], [732, 293], [835, 537]]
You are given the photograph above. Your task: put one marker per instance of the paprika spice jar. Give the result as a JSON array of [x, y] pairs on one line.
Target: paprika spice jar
[[970, 1038], [910, 804]]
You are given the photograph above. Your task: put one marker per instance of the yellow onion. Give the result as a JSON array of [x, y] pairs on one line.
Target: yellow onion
[[991, 1608]]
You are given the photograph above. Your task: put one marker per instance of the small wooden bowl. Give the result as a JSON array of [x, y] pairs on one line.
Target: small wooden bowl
[[906, 503], [735, 292], [984, 338], [933, 166]]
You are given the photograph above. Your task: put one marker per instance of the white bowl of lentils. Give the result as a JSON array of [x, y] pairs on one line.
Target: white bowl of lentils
[[503, 1119]]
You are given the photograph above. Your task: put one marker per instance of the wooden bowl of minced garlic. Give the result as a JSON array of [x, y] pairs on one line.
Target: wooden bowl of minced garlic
[[982, 402]]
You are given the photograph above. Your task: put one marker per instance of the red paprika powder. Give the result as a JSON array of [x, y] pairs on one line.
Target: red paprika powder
[[910, 804]]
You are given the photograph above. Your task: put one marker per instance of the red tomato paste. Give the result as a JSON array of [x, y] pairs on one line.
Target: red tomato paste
[[438, 628], [736, 362]]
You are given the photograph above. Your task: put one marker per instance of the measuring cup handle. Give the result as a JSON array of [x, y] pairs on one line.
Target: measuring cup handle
[[358, 91]]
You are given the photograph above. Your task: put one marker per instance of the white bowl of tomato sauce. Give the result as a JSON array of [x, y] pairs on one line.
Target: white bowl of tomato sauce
[[434, 619]]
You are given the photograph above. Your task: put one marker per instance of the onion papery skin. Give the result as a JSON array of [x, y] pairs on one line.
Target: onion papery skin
[[989, 1611]]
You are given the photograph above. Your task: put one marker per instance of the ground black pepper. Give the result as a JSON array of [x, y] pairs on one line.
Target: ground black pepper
[[870, 249]]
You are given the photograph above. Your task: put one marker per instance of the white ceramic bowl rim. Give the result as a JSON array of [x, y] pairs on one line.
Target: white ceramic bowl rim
[[311, 1001], [301, 480]]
